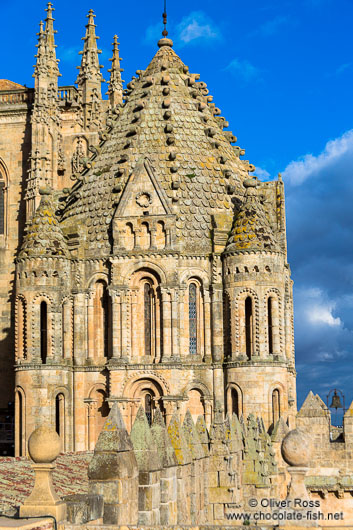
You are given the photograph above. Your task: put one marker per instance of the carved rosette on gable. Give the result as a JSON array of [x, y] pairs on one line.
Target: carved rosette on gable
[[143, 219]]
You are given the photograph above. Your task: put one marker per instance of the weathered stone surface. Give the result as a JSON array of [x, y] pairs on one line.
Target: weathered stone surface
[[296, 448], [83, 508]]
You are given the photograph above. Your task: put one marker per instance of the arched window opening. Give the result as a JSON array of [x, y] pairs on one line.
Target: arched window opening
[[196, 404], [102, 319], [249, 327], [235, 402], [129, 237], [43, 331], [149, 407], [160, 235], [60, 417], [276, 408], [270, 324], [192, 319], [148, 308], [145, 238]]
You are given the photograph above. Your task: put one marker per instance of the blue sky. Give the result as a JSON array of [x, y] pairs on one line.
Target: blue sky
[[282, 73]]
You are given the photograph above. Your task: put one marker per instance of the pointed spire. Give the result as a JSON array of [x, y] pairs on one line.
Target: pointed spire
[[52, 61], [115, 89], [47, 63], [40, 66], [90, 67]]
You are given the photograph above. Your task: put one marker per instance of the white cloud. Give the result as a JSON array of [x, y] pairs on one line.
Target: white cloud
[[262, 173], [309, 165], [243, 69], [197, 25], [318, 308]]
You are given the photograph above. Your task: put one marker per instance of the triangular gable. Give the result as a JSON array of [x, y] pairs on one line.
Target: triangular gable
[[143, 193]]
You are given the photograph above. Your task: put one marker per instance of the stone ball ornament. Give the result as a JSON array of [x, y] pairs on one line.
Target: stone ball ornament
[[44, 445], [296, 448]]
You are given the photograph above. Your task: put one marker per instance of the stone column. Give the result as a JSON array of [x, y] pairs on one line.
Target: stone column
[[67, 329], [217, 345], [207, 324], [116, 323], [167, 339], [90, 324], [182, 345], [125, 326], [80, 337], [174, 323], [134, 329]]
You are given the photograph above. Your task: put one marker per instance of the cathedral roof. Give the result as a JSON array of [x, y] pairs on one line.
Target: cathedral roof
[[44, 236], [5, 84], [169, 118], [251, 229]]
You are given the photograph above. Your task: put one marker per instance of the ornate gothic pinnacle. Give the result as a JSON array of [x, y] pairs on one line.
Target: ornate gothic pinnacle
[[115, 89], [90, 67], [47, 63], [40, 66]]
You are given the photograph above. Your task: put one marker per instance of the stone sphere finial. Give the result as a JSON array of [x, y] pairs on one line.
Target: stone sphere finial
[[44, 445], [165, 42], [296, 448], [250, 182]]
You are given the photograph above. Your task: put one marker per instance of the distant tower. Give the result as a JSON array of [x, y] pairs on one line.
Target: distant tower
[[45, 116], [259, 374]]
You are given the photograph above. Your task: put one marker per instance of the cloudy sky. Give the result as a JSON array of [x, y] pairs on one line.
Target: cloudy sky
[[282, 73]]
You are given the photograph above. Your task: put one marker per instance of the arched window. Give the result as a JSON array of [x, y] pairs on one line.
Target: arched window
[[270, 324], [43, 331], [249, 327], [129, 237], [102, 318], [149, 407], [145, 236], [146, 316], [195, 403], [235, 401], [192, 319], [276, 406], [160, 235], [60, 417], [148, 305]]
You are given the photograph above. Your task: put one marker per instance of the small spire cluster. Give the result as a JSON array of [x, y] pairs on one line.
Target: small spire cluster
[[47, 63], [90, 68], [115, 90]]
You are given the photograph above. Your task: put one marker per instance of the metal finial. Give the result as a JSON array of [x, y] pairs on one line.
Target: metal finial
[[165, 32]]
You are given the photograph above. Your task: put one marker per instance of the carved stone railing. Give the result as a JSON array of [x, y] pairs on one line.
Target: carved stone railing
[[26, 95], [67, 93], [16, 97]]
